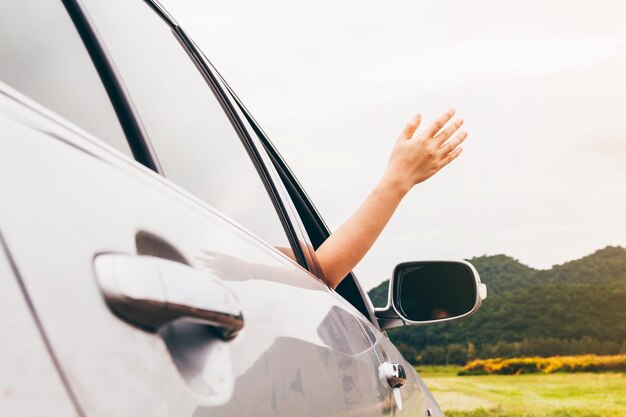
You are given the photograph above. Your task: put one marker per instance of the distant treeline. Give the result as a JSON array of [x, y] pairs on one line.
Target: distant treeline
[[571, 309], [457, 354]]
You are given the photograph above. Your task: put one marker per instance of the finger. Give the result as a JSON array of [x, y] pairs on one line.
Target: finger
[[450, 145], [411, 127], [450, 157], [445, 134], [440, 122]]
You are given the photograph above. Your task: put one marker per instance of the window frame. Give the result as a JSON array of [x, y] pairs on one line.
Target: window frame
[[136, 135]]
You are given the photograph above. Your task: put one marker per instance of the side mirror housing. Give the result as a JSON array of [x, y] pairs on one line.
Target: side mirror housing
[[431, 292]]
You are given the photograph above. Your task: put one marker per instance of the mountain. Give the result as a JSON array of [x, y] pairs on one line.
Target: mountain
[[577, 307]]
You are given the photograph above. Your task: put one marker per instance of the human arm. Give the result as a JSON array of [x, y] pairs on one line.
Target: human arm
[[416, 156]]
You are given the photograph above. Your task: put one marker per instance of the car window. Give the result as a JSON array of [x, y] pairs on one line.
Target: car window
[[43, 57], [194, 140]]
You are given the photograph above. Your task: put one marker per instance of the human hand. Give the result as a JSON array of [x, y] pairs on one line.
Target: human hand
[[417, 156]]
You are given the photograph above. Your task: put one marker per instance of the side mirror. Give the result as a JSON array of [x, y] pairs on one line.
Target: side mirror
[[430, 292]]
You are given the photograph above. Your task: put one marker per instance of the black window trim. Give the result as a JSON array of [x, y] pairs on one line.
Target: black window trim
[[123, 106]]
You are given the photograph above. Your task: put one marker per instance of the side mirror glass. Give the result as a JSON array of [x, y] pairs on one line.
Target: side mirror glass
[[432, 291]]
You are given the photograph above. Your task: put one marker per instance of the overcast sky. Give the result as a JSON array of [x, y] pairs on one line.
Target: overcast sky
[[541, 86]]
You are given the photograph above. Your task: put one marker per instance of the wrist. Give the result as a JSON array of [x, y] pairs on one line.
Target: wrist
[[394, 185]]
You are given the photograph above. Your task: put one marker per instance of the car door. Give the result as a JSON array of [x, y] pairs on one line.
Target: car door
[[69, 201]]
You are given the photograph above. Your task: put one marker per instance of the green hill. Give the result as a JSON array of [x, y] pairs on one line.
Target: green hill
[[574, 308]]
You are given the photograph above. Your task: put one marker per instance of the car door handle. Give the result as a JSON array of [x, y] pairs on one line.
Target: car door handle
[[151, 292], [393, 373]]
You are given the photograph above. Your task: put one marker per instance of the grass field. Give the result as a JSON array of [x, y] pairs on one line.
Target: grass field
[[532, 395]]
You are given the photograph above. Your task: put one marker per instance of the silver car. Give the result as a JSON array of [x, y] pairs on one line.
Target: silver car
[[157, 255]]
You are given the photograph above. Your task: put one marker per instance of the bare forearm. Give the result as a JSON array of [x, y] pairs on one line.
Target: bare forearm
[[416, 156], [345, 248]]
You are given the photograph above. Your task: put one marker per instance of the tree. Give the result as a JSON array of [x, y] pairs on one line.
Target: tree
[[456, 354]]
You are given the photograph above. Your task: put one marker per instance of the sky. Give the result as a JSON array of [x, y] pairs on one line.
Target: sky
[[540, 85]]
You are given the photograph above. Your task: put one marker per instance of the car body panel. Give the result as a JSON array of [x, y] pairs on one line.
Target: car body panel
[[66, 201]]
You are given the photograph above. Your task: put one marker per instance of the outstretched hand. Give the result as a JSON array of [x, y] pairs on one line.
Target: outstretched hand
[[418, 155]]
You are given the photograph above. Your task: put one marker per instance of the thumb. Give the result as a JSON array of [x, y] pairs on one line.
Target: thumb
[[411, 127]]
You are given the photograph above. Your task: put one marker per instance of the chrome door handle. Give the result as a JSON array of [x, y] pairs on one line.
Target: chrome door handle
[[394, 374], [151, 292]]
